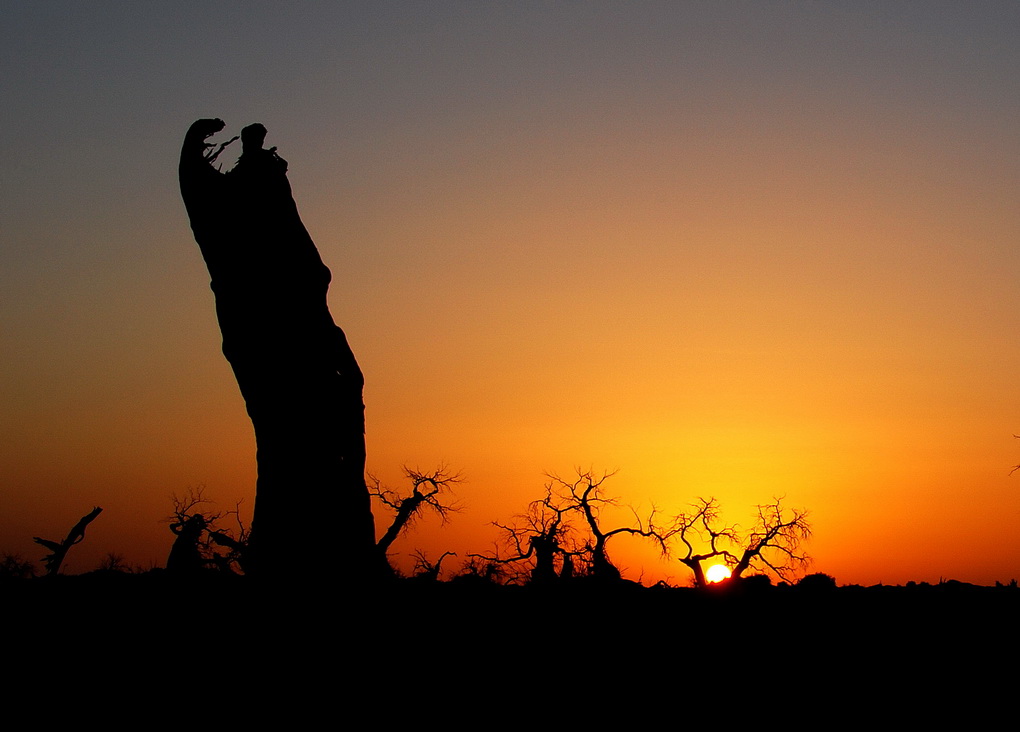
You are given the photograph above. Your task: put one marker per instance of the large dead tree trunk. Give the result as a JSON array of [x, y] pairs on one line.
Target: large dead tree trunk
[[299, 378]]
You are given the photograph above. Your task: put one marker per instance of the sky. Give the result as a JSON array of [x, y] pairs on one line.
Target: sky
[[733, 250]]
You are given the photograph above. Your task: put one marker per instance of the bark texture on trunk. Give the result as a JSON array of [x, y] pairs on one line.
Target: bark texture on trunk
[[300, 381]]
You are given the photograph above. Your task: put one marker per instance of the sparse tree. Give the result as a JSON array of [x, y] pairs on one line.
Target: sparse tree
[[431, 492], [772, 546], [698, 528], [540, 539], [236, 545], [479, 570], [198, 534], [587, 497], [567, 525], [427, 571]]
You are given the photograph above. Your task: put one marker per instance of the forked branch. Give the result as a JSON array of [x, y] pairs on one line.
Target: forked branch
[[429, 492]]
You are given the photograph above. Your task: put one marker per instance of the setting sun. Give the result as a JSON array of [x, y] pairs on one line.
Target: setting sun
[[717, 573]]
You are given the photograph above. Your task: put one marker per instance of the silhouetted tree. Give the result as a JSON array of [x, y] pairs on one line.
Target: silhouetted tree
[[698, 528], [236, 556], [771, 546], [586, 496], [190, 551], [538, 540], [430, 493], [198, 535], [481, 571], [58, 550], [301, 383], [427, 571], [567, 525]]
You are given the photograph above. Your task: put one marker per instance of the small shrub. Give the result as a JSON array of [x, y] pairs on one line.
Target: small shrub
[[15, 567], [817, 582]]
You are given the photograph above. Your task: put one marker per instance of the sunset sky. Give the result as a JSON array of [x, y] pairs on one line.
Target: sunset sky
[[741, 250]]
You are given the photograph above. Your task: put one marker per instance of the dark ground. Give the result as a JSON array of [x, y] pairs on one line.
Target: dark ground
[[162, 642]]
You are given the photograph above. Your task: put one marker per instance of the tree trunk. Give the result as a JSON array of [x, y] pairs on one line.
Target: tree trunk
[[601, 567], [299, 378], [694, 564]]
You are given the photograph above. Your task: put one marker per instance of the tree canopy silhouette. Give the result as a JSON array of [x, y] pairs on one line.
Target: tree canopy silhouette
[[199, 534], [430, 492], [567, 526], [302, 386], [773, 545]]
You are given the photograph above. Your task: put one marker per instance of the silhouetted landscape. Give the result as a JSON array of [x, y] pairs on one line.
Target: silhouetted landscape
[[303, 391], [508, 364]]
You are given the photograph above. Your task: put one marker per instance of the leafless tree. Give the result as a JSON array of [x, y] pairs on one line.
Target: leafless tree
[[200, 533], [431, 492], [587, 497], [539, 540], [772, 546], [567, 527], [478, 569], [698, 528], [191, 548], [234, 541], [425, 570]]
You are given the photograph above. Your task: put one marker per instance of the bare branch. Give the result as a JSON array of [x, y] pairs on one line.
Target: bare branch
[[210, 155], [199, 534], [58, 550], [772, 546], [430, 492], [567, 525], [426, 570]]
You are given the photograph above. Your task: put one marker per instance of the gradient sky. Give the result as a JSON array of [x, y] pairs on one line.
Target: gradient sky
[[740, 250]]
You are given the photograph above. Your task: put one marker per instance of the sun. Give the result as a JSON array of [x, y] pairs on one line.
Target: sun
[[717, 573]]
